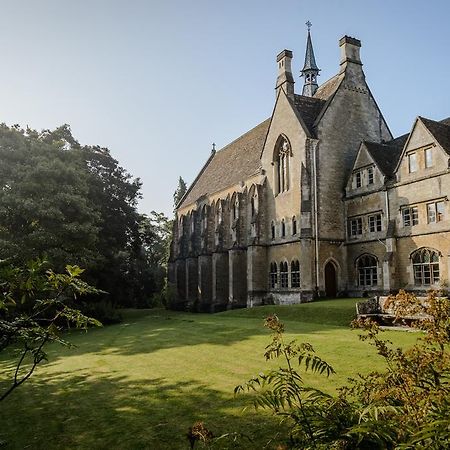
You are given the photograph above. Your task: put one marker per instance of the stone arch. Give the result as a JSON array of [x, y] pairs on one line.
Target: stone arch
[[281, 166]]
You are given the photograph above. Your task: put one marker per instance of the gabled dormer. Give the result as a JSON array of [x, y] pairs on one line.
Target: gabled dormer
[[426, 151], [366, 175]]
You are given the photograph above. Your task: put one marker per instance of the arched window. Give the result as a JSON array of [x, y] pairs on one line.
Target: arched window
[[180, 227], [192, 222], [273, 275], [219, 213], [235, 208], [367, 270], [426, 267], [295, 274], [283, 228], [284, 274], [272, 229], [294, 225], [204, 218], [281, 165]]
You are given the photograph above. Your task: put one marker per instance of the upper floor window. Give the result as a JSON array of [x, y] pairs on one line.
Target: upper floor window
[[283, 228], [355, 226], [410, 216], [235, 209], [272, 229], [425, 266], [375, 223], [428, 157], [284, 272], [367, 270], [435, 211], [219, 213], [295, 274], [281, 165], [370, 175], [412, 162], [204, 218], [294, 225], [358, 179]]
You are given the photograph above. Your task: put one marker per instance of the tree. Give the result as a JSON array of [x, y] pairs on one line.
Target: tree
[[36, 305], [179, 192]]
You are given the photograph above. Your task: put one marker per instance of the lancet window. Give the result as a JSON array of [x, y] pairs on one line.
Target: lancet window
[[281, 166]]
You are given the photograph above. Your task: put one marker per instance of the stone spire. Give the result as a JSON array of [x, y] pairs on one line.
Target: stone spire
[[310, 70]]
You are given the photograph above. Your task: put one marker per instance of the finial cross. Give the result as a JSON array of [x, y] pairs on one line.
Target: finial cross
[[308, 25], [213, 147]]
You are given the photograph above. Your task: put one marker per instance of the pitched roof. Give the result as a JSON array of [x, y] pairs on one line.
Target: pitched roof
[[327, 89], [229, 166], [309, 108], [440, 131], [387, 154]]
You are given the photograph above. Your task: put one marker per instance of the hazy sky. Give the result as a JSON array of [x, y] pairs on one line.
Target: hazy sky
[[158, 81]]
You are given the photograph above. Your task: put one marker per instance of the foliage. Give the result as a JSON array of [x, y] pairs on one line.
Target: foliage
[[179, 192], [36, 304], [405, 406], [74, 203]]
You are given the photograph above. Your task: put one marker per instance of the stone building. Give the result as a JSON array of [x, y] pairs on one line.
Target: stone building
[[317, 200]]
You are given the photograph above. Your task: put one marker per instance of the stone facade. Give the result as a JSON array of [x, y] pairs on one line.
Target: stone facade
[[317, 200]]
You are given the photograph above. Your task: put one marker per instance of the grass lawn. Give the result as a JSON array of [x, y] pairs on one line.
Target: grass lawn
[[142, 383]]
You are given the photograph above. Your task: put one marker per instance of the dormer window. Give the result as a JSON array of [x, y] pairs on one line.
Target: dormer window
[[412, 162], [428, 157], [370, 175]]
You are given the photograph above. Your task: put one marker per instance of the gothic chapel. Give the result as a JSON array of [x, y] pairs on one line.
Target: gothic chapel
[[317, 200]]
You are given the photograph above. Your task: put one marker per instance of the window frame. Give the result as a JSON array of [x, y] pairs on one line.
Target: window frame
[[412, 162], [375, 223], [370, 176], [428, 161], [367, 274], [295, 274], [284, 275], [425, 267], [355, 227], [410, 216]]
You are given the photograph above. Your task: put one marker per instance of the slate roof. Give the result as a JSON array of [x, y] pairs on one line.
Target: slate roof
[[387, 154], [440, 131], [309, 109], [327, 89], [229, 166]]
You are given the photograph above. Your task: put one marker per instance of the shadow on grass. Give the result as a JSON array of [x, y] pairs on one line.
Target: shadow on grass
[[112, 412]]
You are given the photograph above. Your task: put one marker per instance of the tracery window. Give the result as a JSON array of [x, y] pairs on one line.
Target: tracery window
[[273, 275], [281, 164], [425, 266], [284, 274], [295, 274], [367, 270]]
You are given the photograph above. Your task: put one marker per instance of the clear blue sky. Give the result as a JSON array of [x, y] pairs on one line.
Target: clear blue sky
[[158, 81]]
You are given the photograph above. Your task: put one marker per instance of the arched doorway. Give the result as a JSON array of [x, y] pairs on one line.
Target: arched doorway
[[330, 280]]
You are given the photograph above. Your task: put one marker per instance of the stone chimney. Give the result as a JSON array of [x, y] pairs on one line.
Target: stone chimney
[[350, 58], [285, 78]]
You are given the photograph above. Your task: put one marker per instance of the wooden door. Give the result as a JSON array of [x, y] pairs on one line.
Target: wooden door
[[330, 280]]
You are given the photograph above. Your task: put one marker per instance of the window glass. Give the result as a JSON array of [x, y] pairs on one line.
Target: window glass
[[370, 175], [425, 267], [428, 157], [295, 274], [412, 162]]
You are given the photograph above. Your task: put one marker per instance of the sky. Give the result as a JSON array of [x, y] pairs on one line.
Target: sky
[[157, 82]]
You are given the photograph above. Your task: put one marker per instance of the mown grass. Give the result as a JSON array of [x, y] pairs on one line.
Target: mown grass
[[142, 383]]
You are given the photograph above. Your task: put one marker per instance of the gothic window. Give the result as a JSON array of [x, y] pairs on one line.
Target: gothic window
[[283, 228], [272, 229], [294, 225], [273, 275], [235, 209], [375, 223], [180, 227], [281, 165], [284, 274], [219, 213], [435, 211], [204, 218], [295, 274], [254, 203], [425, 267], [192, 223], [367, 270], [410, 216]]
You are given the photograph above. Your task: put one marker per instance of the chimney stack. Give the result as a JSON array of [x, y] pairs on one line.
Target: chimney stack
[[349, 52], [285, 78]]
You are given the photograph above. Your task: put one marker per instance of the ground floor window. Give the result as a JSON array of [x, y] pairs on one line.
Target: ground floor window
[[284, 272], [425, 266], [273, 275], [367, 270], [295, 274]]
